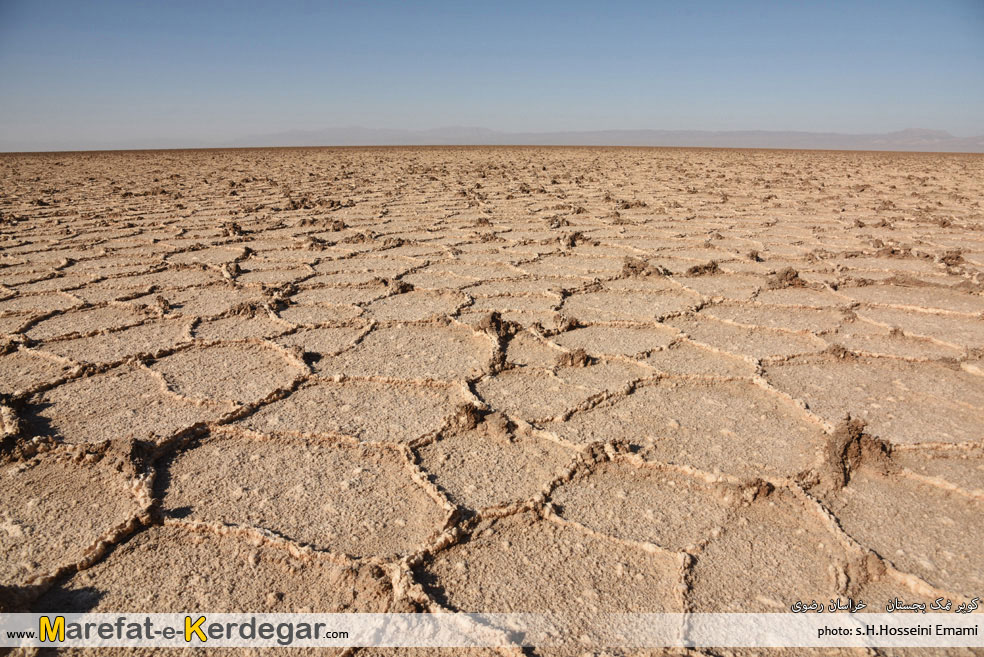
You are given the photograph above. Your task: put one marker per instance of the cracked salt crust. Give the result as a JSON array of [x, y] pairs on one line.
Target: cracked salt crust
[[358, 383]]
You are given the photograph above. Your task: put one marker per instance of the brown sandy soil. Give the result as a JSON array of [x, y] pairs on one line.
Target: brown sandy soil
[[490, 379]]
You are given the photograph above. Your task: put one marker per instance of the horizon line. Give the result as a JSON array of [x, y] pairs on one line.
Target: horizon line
[[907, 140], [503, 146]]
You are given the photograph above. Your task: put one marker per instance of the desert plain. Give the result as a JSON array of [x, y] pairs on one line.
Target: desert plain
[[569, 380]]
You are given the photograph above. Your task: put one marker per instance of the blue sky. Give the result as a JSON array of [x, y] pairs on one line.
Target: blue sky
[[82, 74]]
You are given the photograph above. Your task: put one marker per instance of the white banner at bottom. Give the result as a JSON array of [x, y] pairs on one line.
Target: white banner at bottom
[[220, 630]]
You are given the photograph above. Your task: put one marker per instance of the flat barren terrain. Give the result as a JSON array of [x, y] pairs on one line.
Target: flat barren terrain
[[490, 379]]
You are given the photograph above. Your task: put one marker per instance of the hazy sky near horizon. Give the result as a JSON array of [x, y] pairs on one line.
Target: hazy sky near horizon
[[131, 73]]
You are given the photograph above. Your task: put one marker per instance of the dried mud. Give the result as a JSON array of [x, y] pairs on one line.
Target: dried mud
[[489, 379]]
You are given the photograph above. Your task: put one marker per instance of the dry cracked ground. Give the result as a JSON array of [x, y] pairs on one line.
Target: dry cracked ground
[[494, 380]]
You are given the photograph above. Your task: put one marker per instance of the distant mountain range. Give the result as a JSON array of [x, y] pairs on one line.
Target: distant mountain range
[[904, 140]]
